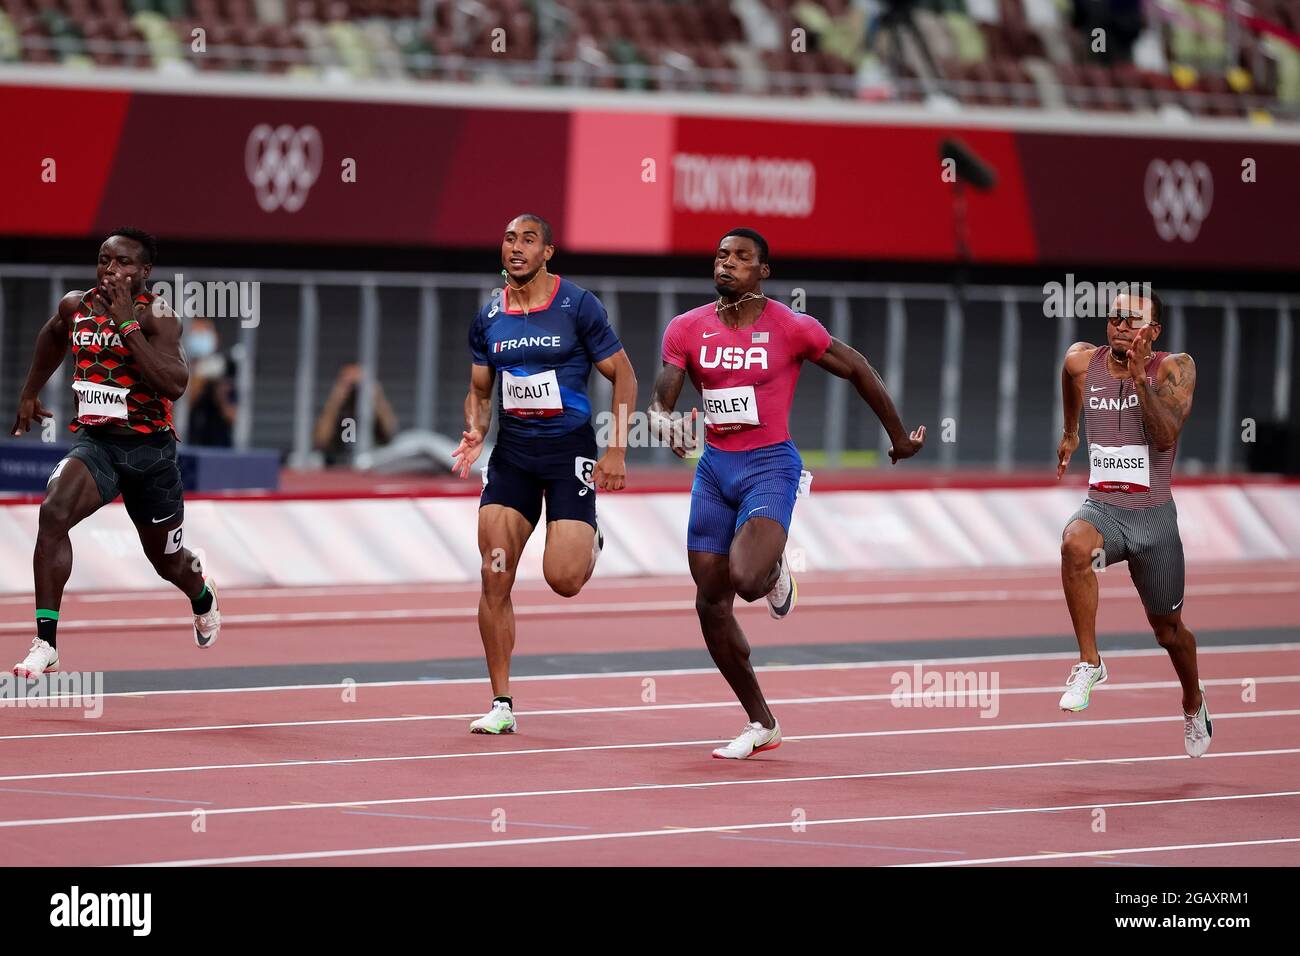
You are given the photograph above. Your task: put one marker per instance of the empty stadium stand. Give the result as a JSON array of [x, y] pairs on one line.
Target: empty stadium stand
[[1205, 57]]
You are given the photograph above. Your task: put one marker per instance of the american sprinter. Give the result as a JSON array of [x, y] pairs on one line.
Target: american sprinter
[[743, 352], [128, 368], [1137, 403], [533, 347]]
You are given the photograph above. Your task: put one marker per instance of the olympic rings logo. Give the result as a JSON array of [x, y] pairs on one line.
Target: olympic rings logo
[[1179, 196], [282, 164]]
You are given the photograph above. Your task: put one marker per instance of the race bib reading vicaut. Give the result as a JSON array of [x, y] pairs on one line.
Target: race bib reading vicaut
[[530, 396], [730, 409], [97, 404], [1121, 468]]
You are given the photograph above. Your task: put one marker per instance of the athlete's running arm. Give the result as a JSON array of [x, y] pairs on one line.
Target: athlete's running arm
[[847, 362], [156, 344], [678, 432], [51, 346], [1166, 406], [478, 419], [1073, 373], [610, 473]]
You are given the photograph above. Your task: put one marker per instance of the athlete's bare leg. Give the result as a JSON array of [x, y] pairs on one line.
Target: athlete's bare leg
[[569, 559], [1175, 638], [755, 557], [181, 567], [502, 534], [69, 499], [1079, 544], [714, 596]]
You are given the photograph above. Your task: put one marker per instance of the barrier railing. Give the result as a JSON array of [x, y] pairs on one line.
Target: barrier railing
[[983, 332]]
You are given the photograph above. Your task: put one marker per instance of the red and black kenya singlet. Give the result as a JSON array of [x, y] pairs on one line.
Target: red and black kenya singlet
[[106, 381]]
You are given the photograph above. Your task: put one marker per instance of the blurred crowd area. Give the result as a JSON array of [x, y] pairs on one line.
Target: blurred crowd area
[[1204, 57]]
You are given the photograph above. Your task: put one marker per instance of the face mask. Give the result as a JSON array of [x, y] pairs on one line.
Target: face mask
[[200, 344]]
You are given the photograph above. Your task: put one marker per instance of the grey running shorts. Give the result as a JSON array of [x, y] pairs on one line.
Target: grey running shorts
[[1147, 538]]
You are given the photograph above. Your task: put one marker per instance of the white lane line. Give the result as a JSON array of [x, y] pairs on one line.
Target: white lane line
[[895, 696], [707, 671], [636, 834], [904, 598], [344, 761], [629, 788], [1125, 850], [860, 578]]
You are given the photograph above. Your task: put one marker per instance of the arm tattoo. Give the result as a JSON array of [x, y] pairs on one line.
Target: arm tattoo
[[1166, 415], [1176, 390]]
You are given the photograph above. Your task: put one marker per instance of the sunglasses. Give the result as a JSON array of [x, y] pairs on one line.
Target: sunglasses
[[1135, 320]]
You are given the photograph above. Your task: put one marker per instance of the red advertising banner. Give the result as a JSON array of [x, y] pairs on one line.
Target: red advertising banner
[[319, 171], [265, 169], [846, 192], [57, 158], [1161, 201]]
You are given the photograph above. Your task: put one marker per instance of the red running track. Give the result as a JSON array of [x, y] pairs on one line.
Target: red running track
[[615, 769], [401, 623]]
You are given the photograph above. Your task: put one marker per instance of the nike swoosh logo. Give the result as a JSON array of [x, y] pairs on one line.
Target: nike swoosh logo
[[1096, 388], [161, 520], [708, 335], [1176, 606], [759, 508]]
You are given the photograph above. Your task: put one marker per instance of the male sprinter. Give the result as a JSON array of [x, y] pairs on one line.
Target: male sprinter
[[743, 352], [1137, 405], [128, 368], [542, 335]]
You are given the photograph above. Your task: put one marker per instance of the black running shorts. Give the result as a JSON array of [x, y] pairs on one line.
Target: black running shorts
[[521, 473], [142, 468]]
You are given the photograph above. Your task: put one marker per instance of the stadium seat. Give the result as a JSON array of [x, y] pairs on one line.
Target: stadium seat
[[1286, 60], [159, 35], [1003, 52], [967, 38], [10, 48]]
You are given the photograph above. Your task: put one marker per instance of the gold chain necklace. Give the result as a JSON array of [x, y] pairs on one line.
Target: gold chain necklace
[[523, 303], [722, 305]]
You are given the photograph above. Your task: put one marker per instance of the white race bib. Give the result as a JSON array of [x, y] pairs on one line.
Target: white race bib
[[805, 484], [97, 404], [583, 469], [1121, 468], [530, 396], [730, 409]]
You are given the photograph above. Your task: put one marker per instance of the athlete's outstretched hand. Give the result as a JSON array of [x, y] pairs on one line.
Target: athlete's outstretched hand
[[467, 452], [908, 448], [29, 409], [1063, 452], [610, 473]]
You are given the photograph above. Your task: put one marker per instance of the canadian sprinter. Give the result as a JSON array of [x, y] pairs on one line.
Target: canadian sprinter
[[1136, 402], [127, 369], [534, 345], [744, 352]]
